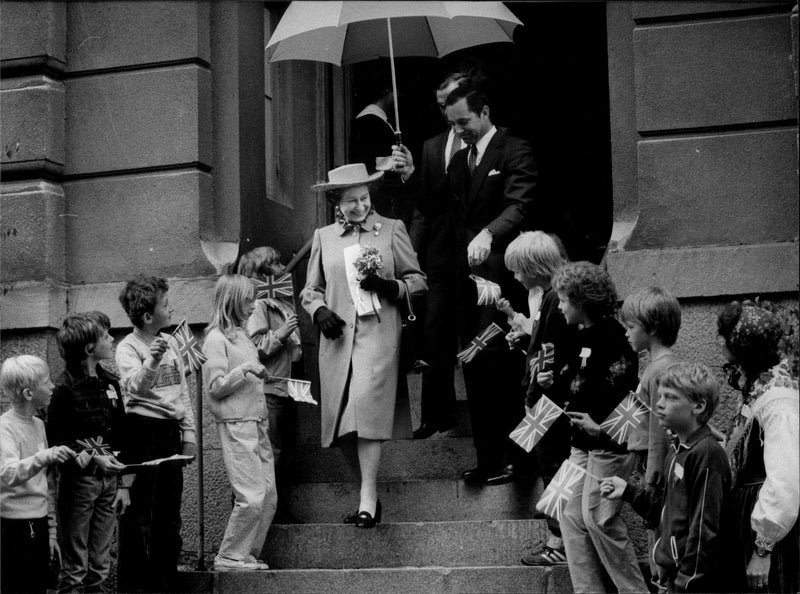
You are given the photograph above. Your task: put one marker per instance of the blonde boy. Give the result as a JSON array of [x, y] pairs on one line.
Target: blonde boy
[[27, 485]]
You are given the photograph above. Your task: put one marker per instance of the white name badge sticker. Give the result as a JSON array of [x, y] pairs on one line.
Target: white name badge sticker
[[586, 352]]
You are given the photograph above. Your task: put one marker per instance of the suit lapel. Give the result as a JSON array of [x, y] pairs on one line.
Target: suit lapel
[[488, 159]]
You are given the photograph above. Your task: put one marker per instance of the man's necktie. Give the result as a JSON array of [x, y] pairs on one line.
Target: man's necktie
[[472, 159]]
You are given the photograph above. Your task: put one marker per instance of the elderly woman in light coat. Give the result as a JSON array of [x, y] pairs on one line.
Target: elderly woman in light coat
[[364, 398]]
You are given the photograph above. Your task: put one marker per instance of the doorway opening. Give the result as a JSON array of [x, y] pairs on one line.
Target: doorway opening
[[549, 87]]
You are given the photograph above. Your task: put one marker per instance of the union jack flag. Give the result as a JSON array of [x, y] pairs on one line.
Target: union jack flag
[[628, 415], [488, 292], [560, 490], [479, 343], [273, 287], [193, 357], [94, 446], [543, 358], [300, 391], [536, 423]]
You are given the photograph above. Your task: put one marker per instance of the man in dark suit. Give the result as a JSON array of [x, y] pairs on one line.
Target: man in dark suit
[[489, 193], [427, 183]]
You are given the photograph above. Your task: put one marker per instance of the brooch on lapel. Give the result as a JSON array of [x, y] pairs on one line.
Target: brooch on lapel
[[377, 227]]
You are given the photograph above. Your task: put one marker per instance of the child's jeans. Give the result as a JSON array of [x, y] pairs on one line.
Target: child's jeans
[[595, 537], [85, 505], [248, 460], [24, 555]]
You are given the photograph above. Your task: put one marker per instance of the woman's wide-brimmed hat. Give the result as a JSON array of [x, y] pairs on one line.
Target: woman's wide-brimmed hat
[[347, 176]]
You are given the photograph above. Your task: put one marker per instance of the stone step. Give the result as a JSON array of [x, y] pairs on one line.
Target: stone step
[[403, 544], [418, 501], [402, 459], [430, 580]]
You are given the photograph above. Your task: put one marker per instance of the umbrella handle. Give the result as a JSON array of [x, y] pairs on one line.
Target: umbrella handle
[[398, 138]]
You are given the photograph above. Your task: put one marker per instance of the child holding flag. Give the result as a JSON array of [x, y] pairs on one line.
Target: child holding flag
[[273, 328], [688, 552], [234, 387], [602, 370], [86, 414], [159, 423], [533, 257]]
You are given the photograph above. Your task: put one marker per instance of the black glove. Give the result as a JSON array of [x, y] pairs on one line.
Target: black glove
[[329, 323], [381, 286]]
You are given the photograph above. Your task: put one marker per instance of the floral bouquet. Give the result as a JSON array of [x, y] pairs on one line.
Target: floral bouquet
[[367, 264]]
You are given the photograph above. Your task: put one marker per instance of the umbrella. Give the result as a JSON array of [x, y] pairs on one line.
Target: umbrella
[[348, 32]]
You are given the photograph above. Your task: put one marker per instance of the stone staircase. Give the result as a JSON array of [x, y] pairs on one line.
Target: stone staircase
[[438, 535]]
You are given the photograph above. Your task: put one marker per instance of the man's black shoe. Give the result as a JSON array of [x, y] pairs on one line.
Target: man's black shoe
[[474, 475]]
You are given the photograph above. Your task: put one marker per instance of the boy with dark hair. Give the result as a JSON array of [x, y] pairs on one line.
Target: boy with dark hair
[[159, 423], [27, 486], [86, 414], [698, 478], [601, 371]]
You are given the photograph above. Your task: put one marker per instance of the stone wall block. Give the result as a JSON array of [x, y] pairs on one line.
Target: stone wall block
[[717, 190], [148, 224], [714, 73], [32, 233], [140, 119], [107, 35], [32, 122], [33, 29]]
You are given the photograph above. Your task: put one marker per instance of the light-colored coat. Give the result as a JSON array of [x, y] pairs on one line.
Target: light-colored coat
[[368, 351]]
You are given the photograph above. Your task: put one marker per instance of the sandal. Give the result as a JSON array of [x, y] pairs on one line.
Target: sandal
[[547, 556]]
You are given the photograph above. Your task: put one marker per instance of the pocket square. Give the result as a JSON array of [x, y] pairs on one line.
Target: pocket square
[[493, 172]]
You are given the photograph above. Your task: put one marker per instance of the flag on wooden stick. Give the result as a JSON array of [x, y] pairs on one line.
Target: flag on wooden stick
[[89, 448], [300, 391], [274, 287], [543, 359], [536, 423], [480, 342], [628, 415], [193, 357], [488, 292], [560, 490]]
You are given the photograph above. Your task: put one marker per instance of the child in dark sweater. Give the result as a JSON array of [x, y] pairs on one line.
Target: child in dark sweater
[[687, 551], [601, 370]]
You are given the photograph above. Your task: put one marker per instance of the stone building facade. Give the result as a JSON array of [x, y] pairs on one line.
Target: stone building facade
[[133, 132]]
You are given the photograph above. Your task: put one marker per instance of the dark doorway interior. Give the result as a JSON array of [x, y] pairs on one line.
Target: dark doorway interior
[[549, 87]]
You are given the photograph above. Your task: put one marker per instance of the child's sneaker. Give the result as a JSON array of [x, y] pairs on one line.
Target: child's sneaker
[[255, 563], [250, 564]]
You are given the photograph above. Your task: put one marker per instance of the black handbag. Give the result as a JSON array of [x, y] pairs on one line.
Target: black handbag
[[409, 361]]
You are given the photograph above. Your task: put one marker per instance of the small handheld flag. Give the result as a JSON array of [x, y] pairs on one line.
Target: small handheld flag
[[479, 343], [300, 391], [488, 291], [95, 446], [273, 287], [536, 423], [560, 490], [193, 357], [628, 415], [543, 359]]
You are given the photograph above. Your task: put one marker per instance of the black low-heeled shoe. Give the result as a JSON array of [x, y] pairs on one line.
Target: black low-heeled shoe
[[366, 519], [350, 518]]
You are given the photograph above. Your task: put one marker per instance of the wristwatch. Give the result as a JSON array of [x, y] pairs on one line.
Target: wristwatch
[[763, 547], [762, 552]]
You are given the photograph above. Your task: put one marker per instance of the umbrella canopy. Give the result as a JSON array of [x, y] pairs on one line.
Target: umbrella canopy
[[347, 32]]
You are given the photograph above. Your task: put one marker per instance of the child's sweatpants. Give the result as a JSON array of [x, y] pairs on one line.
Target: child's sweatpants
[[248, 460], [595, 537]]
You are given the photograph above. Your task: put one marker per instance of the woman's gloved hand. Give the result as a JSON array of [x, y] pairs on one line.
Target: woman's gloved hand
[[381, 286], [329, 323]]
